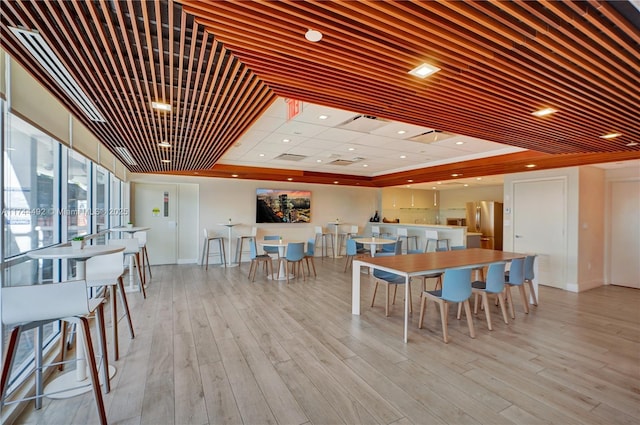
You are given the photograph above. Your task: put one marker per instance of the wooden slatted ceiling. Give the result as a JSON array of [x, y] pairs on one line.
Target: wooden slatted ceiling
[[500, 61], [221, 64], [126, 55]]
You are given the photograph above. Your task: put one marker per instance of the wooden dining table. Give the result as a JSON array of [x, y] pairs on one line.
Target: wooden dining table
[[412, 265]]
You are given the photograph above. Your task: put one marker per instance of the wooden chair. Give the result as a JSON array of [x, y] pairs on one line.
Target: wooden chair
[[256, 259], [456, 288], [208, 238], [387, 279]]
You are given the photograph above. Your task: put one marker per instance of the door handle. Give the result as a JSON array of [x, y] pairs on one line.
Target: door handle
[[518, 236]]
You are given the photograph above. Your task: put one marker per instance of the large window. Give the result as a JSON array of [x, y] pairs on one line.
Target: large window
[[30, 182], [50, 195]]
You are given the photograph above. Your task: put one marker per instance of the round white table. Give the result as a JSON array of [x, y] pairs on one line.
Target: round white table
[[70, 384], [373, 243], [282, 246], [229, 226], [130, 231]]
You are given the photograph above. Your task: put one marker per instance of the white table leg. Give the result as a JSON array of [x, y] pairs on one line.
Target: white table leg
[[355, 288], [406, 309], [336, 253], [229, 264]]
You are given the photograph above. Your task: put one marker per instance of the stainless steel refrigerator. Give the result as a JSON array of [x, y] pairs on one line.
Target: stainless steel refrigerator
[[486, 217]]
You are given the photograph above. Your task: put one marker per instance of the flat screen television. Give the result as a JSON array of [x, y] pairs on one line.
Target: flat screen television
[[283, 206]]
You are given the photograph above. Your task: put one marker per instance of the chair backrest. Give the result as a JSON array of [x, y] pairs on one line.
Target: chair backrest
[[457, 247], [352, 249], [516, 272], [441, 249], [271, 249], [402, 231], [529, 274], [354, 230], [131, 245], [254, 231], [253, 252], [456, 285], [495, 278], [295, 251], [375, 230], [319, 230], [431, 234], [141, 237], [389, 277], [101, 264], [48, 301], [311, 247], [206, 233]]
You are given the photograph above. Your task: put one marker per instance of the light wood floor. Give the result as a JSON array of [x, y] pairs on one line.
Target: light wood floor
[[213, 348]]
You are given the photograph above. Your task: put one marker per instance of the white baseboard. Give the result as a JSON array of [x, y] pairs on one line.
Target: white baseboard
[[188, 261]]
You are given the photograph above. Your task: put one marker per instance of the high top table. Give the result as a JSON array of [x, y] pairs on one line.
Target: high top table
[[71, 383], [130, 231], [419, 264], [336, 248], [229, 226]]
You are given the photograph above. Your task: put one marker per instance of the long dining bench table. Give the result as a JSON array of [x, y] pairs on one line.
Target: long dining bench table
[[411, 265]]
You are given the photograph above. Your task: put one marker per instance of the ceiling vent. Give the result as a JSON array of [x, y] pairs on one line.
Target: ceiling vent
[[34, 42], [290, 157], [345, 161], [432, 136], [363, 123]]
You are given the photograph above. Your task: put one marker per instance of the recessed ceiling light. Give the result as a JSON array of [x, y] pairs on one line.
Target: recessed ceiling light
[[456, 174], [365, 165], [352, 149], [403, 156], [164, 144], [290, 178], [459, 143], [410, 181], [401, 131], [323, 117], [478, 178], [335, 182], [161, 106], [285, 140], [530, 165], [313, 35], [318, 160], [465, 185], [433, 187], [544, 112], [261, 154], [611, 135], [632, 144], [234, 175], [439, 182], [166, 161], [424, 70]]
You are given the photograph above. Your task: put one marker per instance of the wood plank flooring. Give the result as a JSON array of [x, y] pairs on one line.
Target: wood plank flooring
[[213, 348]]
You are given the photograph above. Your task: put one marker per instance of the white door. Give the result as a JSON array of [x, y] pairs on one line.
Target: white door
[[624, 231], [539, 226], [156, 207]]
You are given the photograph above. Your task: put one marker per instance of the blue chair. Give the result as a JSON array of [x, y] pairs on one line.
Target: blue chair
[[388, 278], [493, 285], [309, 256], [295, 255], [515, 277], [352, 251], [256, 259], [271, 249], [391, 249], [456, 288]]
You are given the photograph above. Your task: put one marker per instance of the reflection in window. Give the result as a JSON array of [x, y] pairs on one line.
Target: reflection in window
[[29, 179], [77, 212]]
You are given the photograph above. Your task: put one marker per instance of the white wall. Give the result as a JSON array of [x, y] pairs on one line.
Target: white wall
[[218, 200]]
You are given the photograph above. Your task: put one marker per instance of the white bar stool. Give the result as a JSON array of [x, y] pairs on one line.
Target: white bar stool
[[403, 233], [241, 238], [432, 237], [320, 233]]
